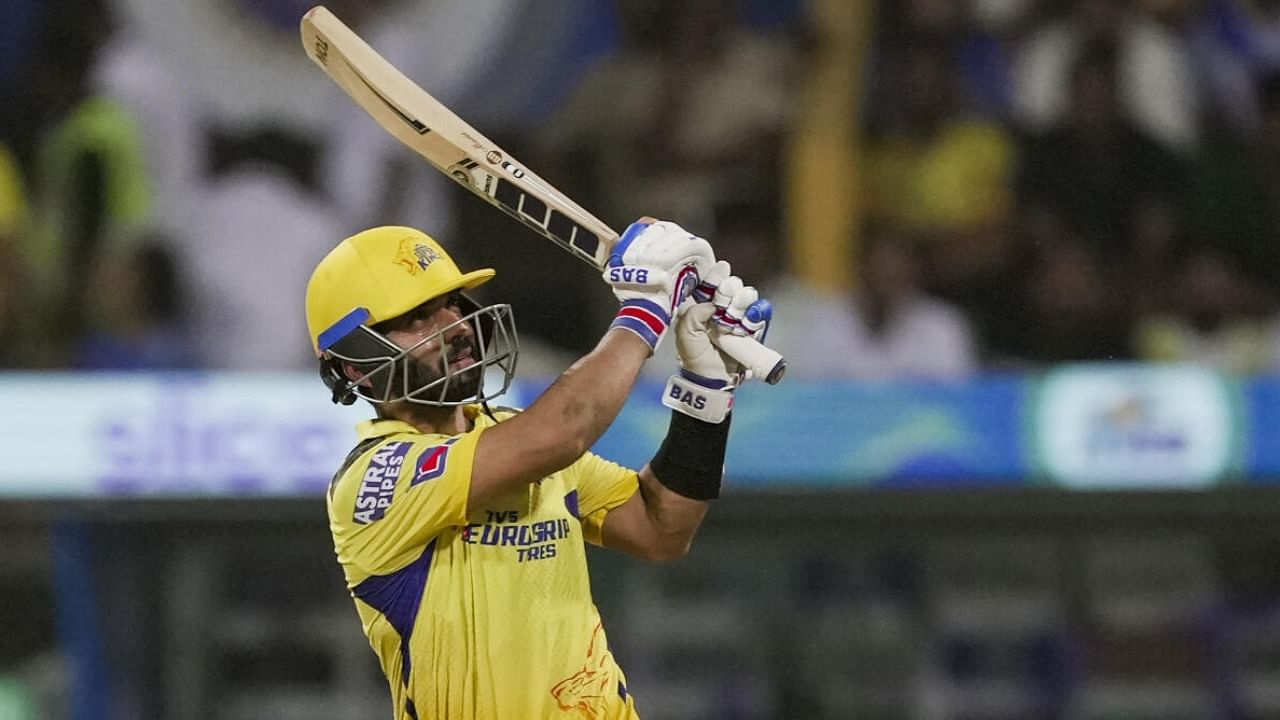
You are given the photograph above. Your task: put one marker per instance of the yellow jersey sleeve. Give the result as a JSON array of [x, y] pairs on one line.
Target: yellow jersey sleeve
[[601, 486], [398, 495]]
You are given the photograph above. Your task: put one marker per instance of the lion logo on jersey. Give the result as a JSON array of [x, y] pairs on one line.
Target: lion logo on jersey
[[415, 256], [584, 691]]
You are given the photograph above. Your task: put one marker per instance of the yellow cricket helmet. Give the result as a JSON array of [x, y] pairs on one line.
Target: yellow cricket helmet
[[377, 275], [383, 273]]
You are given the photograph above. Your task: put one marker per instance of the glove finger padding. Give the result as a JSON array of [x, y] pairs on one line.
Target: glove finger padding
[[739, 310], [756, 319], [706, 290]]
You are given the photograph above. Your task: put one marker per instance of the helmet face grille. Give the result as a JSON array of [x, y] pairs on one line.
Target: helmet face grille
[[389, 373]]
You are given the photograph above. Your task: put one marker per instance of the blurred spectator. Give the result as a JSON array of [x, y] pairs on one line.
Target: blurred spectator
[[937, 174], [1004, 18], [1098, 180], [91, 195], [932, 167], [692, 109], [888, 328], [688, 113], [1209, 322], [248, 247], [17, 33], [12, 278], [969, 41], [940, 175], [182, 90], [13, 202], [134, 313], [1154, 76], [1235, 42], [749, 234], [170, 116], [1234, 203], [1073, 312]]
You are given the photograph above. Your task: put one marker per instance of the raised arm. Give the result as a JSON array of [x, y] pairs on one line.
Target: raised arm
[[659, 522], [652, 268]]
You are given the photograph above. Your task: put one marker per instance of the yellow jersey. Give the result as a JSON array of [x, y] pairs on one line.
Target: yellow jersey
[[479, 612]]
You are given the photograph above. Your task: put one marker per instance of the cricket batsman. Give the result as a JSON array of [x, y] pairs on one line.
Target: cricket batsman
[[460, 527]]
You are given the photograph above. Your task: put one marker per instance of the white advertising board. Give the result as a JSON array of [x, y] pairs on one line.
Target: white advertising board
[[1113, 426]]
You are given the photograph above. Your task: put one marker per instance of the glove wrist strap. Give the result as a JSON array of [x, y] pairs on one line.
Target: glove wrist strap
[[702, 398], [644, 318]]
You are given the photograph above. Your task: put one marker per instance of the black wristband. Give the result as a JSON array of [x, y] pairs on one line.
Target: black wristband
[[691, 459]]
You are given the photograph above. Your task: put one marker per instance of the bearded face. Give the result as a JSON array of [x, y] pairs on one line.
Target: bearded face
[[459, 361], [439, 353]]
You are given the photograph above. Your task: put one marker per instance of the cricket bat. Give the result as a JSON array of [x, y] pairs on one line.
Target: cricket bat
[[458, 150]]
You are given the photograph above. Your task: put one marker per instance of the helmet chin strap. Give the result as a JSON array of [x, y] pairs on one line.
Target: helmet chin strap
[[334, 379]]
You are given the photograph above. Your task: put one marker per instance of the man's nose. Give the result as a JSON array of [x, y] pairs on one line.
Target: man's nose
[[455, 328]]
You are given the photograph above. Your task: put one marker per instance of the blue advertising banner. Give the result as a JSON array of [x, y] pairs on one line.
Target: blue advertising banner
[[884, 434], [162, 435], [1089, 427], [1262, 420]]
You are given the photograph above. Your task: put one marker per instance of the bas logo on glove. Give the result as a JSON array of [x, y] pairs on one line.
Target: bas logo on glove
[[628, 276], [654, 266], [695, 396]]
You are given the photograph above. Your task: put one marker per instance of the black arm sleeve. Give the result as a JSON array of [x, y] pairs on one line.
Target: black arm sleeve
[[690, 461]]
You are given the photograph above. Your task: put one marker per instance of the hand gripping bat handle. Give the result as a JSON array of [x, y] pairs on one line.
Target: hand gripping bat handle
[[763, 362]]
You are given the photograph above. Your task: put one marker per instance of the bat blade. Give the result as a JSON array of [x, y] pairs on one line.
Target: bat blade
[[458, 150], [455, 148]]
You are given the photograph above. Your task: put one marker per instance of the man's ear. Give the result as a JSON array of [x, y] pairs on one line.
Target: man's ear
[[354, 375]]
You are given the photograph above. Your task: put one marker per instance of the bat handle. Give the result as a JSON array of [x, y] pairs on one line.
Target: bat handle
[[760, 360]]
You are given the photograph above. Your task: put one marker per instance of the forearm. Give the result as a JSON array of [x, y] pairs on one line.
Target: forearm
[[562, 424], [656, 524], [587, 397], [675, 488], [673, 518]]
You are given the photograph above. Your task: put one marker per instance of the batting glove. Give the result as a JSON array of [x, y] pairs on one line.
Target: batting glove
[[721, 305], [654, 267]]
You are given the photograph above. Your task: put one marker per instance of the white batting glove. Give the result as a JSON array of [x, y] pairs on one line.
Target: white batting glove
[[720, 305], [741, 311], [654, 267]]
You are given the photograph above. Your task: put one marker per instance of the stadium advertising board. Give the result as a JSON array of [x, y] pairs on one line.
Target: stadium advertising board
[[250, 435], [1108, 426]]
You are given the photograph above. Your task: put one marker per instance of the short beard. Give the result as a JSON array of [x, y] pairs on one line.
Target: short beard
[[463, 385]]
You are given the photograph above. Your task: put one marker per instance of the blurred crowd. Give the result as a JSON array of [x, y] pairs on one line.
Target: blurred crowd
[[1010, 183]]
